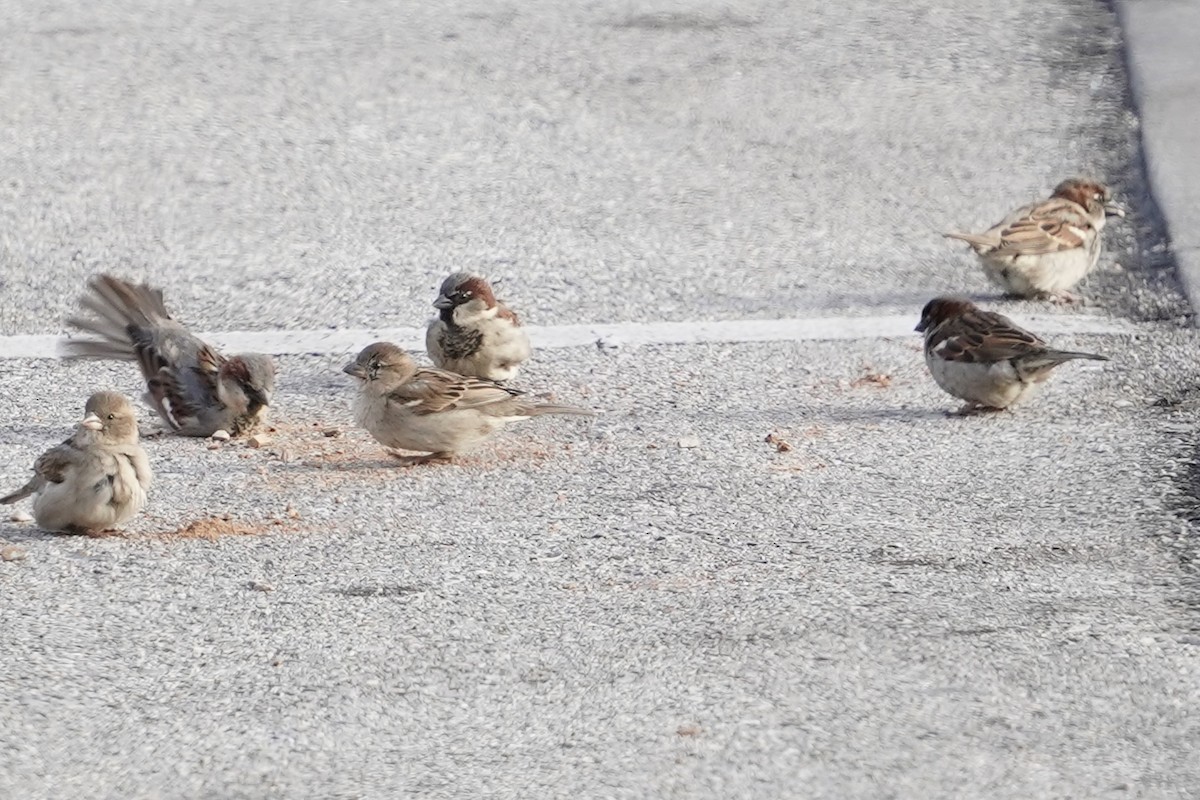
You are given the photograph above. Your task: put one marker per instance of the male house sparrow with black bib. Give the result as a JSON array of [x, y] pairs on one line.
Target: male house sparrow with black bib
[[983, 357], [196, 390], [95, 480], [474, 334], [430, 410], [1042, 250]]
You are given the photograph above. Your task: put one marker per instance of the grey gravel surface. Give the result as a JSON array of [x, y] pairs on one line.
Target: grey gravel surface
[[609, 160], [1165, 70], [899, 603], [659, 602]]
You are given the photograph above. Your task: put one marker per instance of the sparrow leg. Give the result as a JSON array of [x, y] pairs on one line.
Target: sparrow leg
[[416, 461], [1063, 297], [973, 410], [104, 533]]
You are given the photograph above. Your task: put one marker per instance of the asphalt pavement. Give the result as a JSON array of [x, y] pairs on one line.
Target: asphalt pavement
[[768, 569]]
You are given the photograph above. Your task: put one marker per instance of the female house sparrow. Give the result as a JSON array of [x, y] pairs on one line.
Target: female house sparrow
[[432, 411], [474, 334], [1044, 249], [195, 389], [96, 479], [982, 357]]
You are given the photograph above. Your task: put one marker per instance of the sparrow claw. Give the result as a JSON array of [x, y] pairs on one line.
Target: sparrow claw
[[1063, 297], [416, 461], [973, 410]]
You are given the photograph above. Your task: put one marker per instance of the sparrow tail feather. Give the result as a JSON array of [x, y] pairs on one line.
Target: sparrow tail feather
[[19, 494], [118, 306], [90, 348], [1071, 355], [975, 240]]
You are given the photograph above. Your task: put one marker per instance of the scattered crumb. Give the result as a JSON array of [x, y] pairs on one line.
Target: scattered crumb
[[260, 586], [215, 446], [21, 516], [331, 433], [213, 528], [291, 512], [878, 380], [690, 729], [781, 445], [689, 442], [13, 553], [221, 435], [258, 440]]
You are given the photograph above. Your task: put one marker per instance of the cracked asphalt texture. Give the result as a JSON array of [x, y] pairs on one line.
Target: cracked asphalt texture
[[882, 601]]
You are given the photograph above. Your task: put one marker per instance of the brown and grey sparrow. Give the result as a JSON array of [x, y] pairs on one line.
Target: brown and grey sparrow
[[984, 358]]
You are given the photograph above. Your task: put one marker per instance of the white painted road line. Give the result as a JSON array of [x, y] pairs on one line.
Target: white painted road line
[[624, 334]]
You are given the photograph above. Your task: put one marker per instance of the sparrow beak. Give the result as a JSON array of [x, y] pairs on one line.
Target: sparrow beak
[[354, 369], [443, 302], [256, 396], [1113, 210], [92, 422], [921, 326]]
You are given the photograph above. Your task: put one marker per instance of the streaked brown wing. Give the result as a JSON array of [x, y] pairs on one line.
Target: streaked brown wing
[[504, 312], [54, 463], [1033, 236], [433, 390], [984, 337]]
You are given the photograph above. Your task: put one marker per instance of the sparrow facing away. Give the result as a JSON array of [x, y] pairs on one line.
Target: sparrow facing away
[[96, 479], [430, 410], [983, 357], [1044, 249], [474, 334], [195, 389]]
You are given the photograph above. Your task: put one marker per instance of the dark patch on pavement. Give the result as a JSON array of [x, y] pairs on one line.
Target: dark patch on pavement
[[684, 21], [1147, 287], [378, 591]]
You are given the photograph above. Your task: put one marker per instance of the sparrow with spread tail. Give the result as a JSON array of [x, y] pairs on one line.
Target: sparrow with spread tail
[[474, 334], [983, 357], [430, 410], [1042, 250], [196, 390], [95, 480]]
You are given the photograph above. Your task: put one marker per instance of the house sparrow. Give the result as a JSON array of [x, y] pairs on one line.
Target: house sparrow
[[195, 389], [474, 334], [1044, 249], [430, 410], [96, 479], [983, 357]]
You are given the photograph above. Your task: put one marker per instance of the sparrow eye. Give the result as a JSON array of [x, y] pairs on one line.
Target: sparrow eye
[[112, 416]]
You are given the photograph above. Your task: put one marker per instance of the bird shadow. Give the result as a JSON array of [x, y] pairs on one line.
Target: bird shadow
[[910, 416], [371, 465], [28, 532]]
